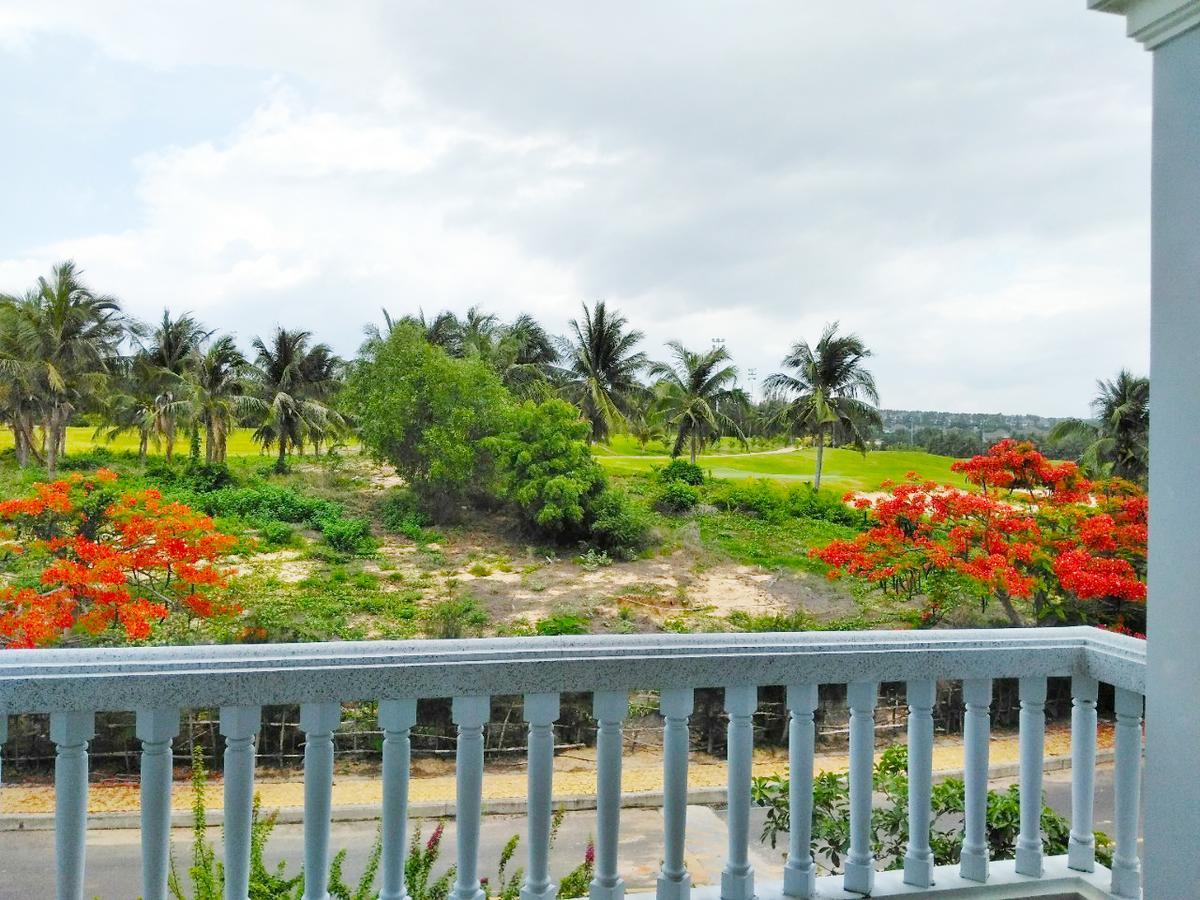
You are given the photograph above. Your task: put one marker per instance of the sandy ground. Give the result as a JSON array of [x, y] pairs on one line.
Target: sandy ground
[[574, 775]]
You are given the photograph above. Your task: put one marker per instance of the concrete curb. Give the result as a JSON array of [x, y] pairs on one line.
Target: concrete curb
[[506, 806]]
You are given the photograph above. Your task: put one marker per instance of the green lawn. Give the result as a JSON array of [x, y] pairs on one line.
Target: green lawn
[[83, 438], [844, 469]]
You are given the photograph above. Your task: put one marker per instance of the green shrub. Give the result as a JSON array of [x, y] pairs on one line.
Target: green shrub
[[804, 501], [401, 512], [617, 524], [348, 535], [889, 820], [270, 503], [455, 618], [427, 414], [545, 467], [681, 470], [678, 496], [562, 623], [276, 534], [797, 621], [204, 478]]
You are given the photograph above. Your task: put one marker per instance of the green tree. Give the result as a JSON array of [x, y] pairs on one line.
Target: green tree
[[601, 368], [1119, 437], [427, 413], [68, 337], [696, 393], [168, 355], [828, 386], [292, 389], [221, 394]]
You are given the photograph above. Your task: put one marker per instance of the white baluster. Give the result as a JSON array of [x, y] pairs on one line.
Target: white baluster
[[799, 875], [918, 857], [470, 714], [541, 711], [674, 882], [977, 696], [239, 726], [860, 861], [737, 878], [1081, 848], [318, 721], [1032, 740], [70, 732], [396, 719], [156, 728], [1126, 871], [3, 738], [610, 709]]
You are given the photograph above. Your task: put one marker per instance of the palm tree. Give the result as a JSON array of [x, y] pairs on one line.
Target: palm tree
[[220, 394], [68, 338], [291, 399], [131, 403], [829, 386], [525, 358], [1120, 435], [602, 367], [19, 400], [172, 349], [696, 393]]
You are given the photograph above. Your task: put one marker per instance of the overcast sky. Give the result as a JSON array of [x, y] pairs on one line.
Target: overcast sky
[[964, 183]]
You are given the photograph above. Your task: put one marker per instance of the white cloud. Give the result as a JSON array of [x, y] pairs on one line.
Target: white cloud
[[964, 186]]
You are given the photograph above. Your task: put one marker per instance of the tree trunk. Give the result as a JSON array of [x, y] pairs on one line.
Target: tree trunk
[[820, 458], [169, 435], [693, 448], [143, 444], [281, 462], [210, 449], [53, 443]]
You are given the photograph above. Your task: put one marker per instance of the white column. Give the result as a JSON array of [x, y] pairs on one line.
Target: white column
[[1081, 848], [860, 861], [610, 709], [674, 883], [470, 714], [318, 721], [1032, 743], [396, 719], [70, 732], [977, 697], [3, 738], [918, 858], [541, 711], [239, 726], [1127, 779], [799, 875], [737, 878], [156, 728], [1172, 832]]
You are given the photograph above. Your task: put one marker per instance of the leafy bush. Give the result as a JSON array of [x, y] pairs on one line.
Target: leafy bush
[[681, 470], [270, 503], [889, 820], [455, 618], [276, 534], [768, 501], [797, 621], [545, 467], [616, 524], [427, 414], [348, 535], [678, 496], [207, 874], [593, 560], [401, 512], [205, 477], [562, 623]]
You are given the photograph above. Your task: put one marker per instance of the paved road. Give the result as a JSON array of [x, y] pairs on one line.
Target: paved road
[[26, 858]]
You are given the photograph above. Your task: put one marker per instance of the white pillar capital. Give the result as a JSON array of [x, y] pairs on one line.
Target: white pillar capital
[[1153, 22]]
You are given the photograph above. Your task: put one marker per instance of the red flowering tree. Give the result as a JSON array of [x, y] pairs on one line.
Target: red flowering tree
[[1037, 537], [79, 556]]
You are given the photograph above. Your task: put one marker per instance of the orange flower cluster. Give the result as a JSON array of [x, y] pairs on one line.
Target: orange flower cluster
[[108, 560], [1036, 531]]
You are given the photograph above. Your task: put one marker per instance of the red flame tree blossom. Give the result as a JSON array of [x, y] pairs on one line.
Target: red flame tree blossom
[[1037, 537], [79, 556]]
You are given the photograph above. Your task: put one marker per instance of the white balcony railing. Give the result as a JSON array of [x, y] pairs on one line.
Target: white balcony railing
[[72, 685]]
